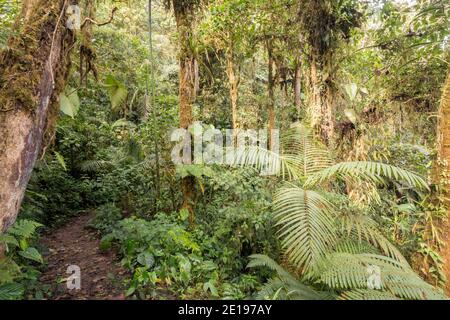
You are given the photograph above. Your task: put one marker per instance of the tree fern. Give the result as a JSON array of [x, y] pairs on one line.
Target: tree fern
[[334, 250], [306, 222], [310, 154], [373, 171], [362, 227], [290, 286]]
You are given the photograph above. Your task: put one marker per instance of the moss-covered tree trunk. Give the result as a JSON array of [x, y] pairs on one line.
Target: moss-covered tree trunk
[[443, 166], [233, 83], [184, 16], [321, 98], [33, 72], [271, 93], [298, 87]]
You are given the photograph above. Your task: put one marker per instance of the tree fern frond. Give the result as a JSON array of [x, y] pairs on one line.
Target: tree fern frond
[[367, 294], [343, 271], [306, 225], [372, 171], [266, 161], [362, 227], [285, 285], [309, 153], [92, 166]]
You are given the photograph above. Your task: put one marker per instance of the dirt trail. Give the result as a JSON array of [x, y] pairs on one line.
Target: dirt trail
[[74, 244]]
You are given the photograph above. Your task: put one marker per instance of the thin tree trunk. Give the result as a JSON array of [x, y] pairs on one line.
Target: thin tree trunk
[[187, 92], [443, 169], [33, 71], [233, 82], [271, 92], [298, 88]]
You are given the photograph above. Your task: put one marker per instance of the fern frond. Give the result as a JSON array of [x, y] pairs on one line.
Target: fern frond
[[366, 170], [310, 155], [266, 161], [24, 228], [306, 225], [284, 285], [343, 271], [92, 166], [367, 294], [361, 227]]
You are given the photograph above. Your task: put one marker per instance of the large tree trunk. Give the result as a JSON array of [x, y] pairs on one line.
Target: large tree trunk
[[33, 71], [443, 166], [321, 101], [298, 87], [233, 82], [184, 16], [271, 92]]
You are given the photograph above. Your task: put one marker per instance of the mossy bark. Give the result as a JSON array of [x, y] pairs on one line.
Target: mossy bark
[[271, 92], [321, 99], [443, 169], [33, 71], [184, 16]]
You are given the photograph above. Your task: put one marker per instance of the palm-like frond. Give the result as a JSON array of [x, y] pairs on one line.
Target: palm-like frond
[[373, 171], [92, 166], [367, 294], [343, 271], [266, 161], [284, 285], [310, 155], [306, 223], [362, 227]]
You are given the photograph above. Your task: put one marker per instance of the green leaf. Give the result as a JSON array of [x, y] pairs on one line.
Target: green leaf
[[11, 291], [116, 90], [184, 214], [352, 90], [130, 291], [69, 102], [8, 240], [146, 259], [61, 160], [31, 254]]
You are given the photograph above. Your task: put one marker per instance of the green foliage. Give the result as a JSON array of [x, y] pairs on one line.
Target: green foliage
[[106, 218], [69, 102], [310, 229], [18, 269], [116, 90]]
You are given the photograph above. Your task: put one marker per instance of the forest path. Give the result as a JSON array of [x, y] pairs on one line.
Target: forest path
[[75, 244]]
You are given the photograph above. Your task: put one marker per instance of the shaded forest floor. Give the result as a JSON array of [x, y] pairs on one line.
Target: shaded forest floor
[[76, 244]]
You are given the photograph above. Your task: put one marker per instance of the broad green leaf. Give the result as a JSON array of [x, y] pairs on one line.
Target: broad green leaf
[[31, 254], [69, 102], [116, 90], [352, 90]]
